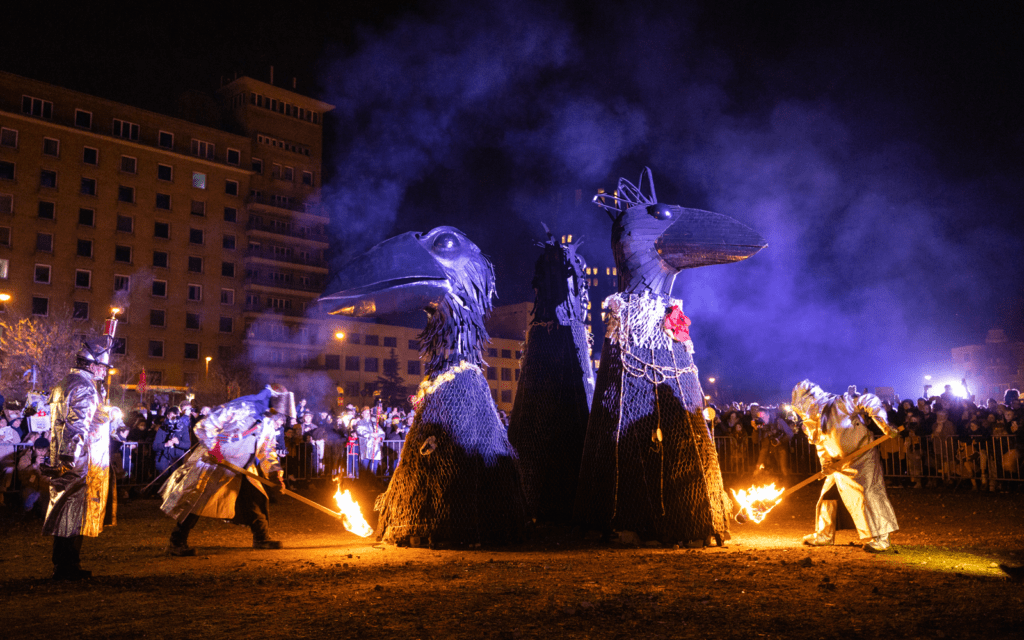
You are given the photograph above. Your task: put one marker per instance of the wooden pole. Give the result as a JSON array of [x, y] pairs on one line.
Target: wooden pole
[[290, 494]]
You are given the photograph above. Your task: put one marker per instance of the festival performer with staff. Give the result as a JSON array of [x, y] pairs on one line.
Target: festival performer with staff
[[242, 433], [83, 498], [836, 426]]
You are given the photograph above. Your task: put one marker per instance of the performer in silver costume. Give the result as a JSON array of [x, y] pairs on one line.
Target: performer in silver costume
[[242, 432], [836, 426], [82, 498]]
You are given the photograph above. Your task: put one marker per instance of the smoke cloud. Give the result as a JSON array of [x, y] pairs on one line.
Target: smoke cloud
[[888, 242]]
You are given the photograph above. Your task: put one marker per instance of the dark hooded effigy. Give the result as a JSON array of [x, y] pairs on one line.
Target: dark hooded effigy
[[649, 461], [458, 480], [549, 417]]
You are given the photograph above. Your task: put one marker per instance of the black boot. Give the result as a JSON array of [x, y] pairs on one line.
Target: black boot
[[67, 559], [179, 537]]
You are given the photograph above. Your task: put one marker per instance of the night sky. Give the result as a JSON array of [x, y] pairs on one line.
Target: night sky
[[879, 151]]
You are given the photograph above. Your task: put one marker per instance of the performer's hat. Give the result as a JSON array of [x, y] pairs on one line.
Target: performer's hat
[[95, 351]]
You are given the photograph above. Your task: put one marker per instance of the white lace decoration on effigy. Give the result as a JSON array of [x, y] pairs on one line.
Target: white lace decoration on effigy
[[636, 323]]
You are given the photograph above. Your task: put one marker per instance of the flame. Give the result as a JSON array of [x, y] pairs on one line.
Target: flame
[[351, 516], [758, 501]]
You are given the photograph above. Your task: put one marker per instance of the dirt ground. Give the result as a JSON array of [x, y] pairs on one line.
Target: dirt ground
[[942, 581]]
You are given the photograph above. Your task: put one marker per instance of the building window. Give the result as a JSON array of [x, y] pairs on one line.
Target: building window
[[289, 174], [47, 210], [87, 217], [156, 350], [6, 170], [506, 353], [160, 288], [48, 178], [195, 264], [166, 139], [40, 306], [506, 374], [157, 318], [198, 180], [79, 310], [202, 149], [163, 201], [390, 367], [122, 253], [195, 236], [83, 119], [91, 156], [122, 283], [126, 130], [35, 107], [414, 345], [228, 241], [125, 194], [257, 165], [517, 375], [354, 338], [6, 203], [5, 236], [120, 347], [230, 214], [42, 274], [227, 269], [129, 164], [307, 178], [192, 321], [413, 367], [195, 293], [275, 170], [5, 266], [198, 208], [494, 394], [372, 340], [332, 362], [160, 259], [84, 248], [44, 242], [125, 223], [191, 351], [164, 172], [51, 147], [370, 365], [351, 363], [390, 342], [231, 187], [492, 353], [519, 355], [506, 395], [88, 187], [227, 296], [234, 156], [492, 373], [8, 137], [227, 324], [162, 230]]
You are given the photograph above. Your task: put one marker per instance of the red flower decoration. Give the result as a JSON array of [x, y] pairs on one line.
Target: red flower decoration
[[677, 325]]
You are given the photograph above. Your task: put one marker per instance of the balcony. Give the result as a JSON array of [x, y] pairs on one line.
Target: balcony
[[288, 258], [315, 286], [298, 207], [300, 233], [269, 310]]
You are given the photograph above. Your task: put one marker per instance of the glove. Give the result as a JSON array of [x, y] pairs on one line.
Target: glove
[[62, 474], [829, 466]]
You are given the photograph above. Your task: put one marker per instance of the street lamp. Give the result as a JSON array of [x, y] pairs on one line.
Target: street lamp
[[4, 299], [208, 358], [110, 373], [340, 335]]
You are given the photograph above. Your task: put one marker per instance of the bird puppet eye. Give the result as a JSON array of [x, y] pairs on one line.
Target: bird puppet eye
[[446, 244], [660, 211]]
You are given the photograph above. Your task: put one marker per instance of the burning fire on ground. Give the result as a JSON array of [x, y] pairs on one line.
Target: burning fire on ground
[[756, 502], [351, 516]]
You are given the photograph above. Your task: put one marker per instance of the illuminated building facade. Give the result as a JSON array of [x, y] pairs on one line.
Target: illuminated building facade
[[991, 368]]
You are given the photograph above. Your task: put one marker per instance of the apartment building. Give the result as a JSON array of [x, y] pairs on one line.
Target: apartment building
[[196, 231]]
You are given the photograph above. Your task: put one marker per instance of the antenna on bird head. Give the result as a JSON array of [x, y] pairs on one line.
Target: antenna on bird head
[[627, 195]]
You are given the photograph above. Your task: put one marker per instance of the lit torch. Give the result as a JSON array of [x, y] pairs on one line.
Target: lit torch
[[351, 517]]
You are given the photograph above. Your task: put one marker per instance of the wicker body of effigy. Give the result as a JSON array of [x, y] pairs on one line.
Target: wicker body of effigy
[[549, 418], [650, 464]]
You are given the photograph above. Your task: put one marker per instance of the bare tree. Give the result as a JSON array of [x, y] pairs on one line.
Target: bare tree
[[48, 343]]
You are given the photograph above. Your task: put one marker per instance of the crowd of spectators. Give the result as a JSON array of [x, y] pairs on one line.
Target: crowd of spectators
[[946, 441]]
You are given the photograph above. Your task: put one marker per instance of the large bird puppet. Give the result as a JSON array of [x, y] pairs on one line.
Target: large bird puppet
[[649, 461], [458, 481], [549, 418]]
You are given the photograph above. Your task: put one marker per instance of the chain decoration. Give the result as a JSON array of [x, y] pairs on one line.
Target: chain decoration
[[430, 385]]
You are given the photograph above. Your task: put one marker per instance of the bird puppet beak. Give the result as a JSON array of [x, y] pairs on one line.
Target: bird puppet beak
[[701, 238], [397, 275]]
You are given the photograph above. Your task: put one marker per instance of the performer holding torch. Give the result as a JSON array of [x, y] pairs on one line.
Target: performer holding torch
[[82, 494], [835, 425]]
